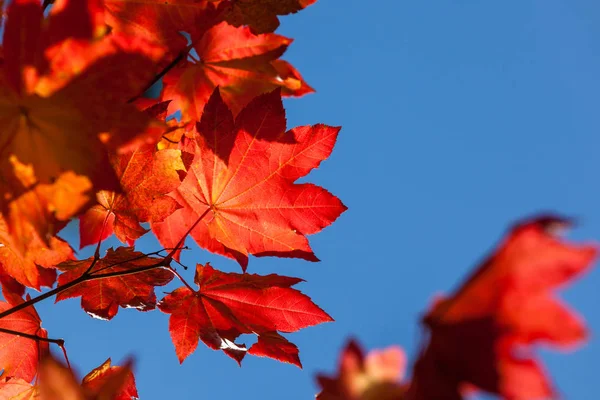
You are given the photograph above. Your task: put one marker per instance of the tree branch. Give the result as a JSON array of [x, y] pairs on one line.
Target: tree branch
[[88, 276], [181, 279], [182, 55], [37, 338], [47, 4]]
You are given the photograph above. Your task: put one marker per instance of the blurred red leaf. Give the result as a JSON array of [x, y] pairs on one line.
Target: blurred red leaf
[[374, 377], [103, 383], [58, 125], [484, 332]]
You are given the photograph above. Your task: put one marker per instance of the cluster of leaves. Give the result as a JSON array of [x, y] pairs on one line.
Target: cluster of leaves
[[482, 337], [80, 141]]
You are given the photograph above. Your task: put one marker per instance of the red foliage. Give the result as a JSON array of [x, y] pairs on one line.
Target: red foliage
[[241, 184], [228, 305], [102, 297], [79, 141], [484, 331]]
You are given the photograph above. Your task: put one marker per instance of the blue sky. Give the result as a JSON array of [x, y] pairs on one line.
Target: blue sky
[[458, 117]]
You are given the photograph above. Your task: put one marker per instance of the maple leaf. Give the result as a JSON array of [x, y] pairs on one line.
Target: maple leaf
[[29, 261], [17, 389], [241, 64], [146, 176], [227, 305], [241, 181], [117, 379], [101, 298], [261, 15], [105, 382], [484, 332], [58, 125], [19, 355], [374, 377], [162, 21]]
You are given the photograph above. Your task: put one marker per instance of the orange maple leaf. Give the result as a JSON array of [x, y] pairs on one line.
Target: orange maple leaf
[[241, 184], [162, 21], [241, 64], [29, 261], [146, 176], [56, 121]]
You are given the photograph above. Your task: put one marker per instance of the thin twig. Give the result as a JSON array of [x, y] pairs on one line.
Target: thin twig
[[37, 338], [174, 271], [183, 266], [164, 263], [172, 252], [180, 57], [140, 257], [42, 296]]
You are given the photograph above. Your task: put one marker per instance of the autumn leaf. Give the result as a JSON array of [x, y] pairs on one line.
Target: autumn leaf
[[261, 15], [19, 355], [17, 389], [146, 176], [275, 346], [241, 182], [227, 305], [484, 332], [30, 261], [241, 64], [58, 125], [373, 377], [101, 298], [162, 21], [117, 379], [105, 382]]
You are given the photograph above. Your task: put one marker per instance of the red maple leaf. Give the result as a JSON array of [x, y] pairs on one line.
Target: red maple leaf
[[261, 15], [146, 176], [484, 332], [375, 376], [19, 355], [241, 64], [241, 182], [227, 305], [162, 21], [101, 298]]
